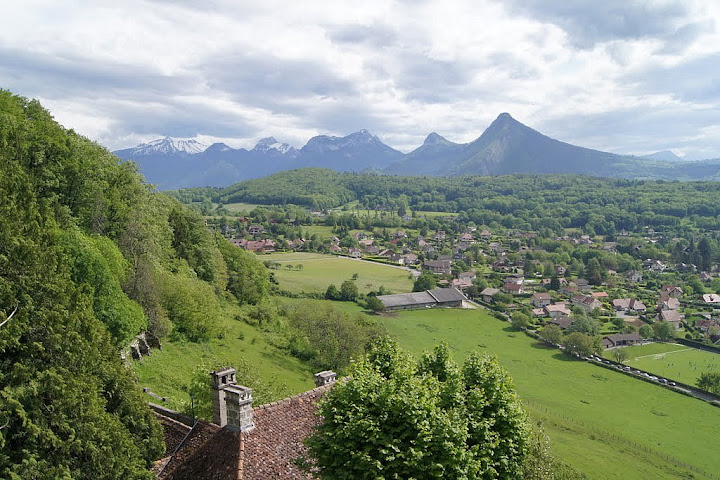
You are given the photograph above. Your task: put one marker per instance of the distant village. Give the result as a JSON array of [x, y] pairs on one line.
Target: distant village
[[514, 270]]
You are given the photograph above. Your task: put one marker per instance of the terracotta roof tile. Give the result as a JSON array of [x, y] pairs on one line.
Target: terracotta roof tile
[[266, 452]]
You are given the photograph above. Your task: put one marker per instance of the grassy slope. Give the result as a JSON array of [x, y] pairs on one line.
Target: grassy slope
[[166, 372], [607, 424], [671, 360], [319, 271]]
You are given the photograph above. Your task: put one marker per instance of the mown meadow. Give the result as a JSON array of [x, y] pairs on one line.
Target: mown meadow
[[318, 271], [671, 360]]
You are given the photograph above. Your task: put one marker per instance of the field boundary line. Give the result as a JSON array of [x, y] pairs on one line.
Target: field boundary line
[[664, 353]]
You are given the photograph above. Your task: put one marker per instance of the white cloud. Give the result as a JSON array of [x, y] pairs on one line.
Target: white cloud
[[123, 72]]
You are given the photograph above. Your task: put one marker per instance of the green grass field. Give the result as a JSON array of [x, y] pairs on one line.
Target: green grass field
[[671, 360], [422, 213], [167, 372], [319, 271], [240, 207], [600, 421]]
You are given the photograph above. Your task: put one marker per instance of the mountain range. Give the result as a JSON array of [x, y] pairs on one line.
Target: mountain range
[[506, 146]]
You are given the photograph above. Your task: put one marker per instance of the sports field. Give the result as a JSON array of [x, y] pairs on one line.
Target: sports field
[[319, 271], [607, 424], [671, 360]]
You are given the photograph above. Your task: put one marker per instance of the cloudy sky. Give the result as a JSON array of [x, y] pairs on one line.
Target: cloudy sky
[[618, 75]]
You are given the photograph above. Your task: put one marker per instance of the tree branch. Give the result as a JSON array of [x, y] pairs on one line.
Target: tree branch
[[11, 315]]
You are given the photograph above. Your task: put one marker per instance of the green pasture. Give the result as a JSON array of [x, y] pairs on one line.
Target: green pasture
[[167, 372], [605, 423], [241, 207], [424, 213], [671, 360], [319, 271]]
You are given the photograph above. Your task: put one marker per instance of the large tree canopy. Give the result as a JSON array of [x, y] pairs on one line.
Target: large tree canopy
[[90, 256], [395, 417]]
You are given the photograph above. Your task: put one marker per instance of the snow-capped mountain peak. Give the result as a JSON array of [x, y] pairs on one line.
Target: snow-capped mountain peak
[[270, 143], [169, 145]]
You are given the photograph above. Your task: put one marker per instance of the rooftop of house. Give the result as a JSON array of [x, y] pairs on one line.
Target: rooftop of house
[[220, 453]]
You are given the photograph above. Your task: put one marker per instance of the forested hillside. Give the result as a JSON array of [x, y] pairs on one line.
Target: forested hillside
[[530, 202], [90, 256]]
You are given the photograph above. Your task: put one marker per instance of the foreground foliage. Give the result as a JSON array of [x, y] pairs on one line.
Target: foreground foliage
[[90, 256], [68, 408], [398, 418]]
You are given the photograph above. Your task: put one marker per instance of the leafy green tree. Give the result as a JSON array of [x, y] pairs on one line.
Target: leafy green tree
[[620, 355], [193, 242], [709, 381], [584, 324], [348, 291], [426, 281], [595, 273], [247, 278], [646, 331], [397, 418], [663, 331], [374, 304], [332, 292], [519, 320], [578, 343], [552, 334]]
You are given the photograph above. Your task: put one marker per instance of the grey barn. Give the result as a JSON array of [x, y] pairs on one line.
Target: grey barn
[[439, 297]]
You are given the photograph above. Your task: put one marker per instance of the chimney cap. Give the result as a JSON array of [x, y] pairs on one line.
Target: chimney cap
[[223, 377], [325, 377]]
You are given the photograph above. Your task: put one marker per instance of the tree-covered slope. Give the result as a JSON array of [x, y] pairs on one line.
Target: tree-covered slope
[[89, 257]]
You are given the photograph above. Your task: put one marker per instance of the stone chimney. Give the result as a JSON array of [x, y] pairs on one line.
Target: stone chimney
[[232, 403], [324, 378]]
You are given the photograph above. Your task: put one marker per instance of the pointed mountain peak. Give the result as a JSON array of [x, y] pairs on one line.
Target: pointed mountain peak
[[269, 143], [434, 139], [505, 119], [266, 142], [218, 147], [362, 134], [505, 123]]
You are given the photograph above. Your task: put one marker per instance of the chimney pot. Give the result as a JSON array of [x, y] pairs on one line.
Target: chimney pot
[[232, 403], [325, 377]]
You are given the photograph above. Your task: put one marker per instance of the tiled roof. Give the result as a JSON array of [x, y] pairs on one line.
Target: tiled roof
[[266, 452], [277, 439]]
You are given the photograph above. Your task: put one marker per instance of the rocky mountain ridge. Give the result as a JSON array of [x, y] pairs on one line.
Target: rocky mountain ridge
[[506, 146]]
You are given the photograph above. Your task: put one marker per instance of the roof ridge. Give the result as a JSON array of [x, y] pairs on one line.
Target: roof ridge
[[271, 405], [433, 296]]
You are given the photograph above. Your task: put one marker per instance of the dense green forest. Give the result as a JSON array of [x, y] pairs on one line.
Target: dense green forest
[[600, 206], [90, 256]]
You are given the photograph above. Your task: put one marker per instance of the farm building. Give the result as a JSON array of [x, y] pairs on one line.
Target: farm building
[[620, 340], [439, 297]]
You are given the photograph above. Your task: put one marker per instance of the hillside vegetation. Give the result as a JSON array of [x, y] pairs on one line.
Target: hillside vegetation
[[90, 256], [528, 202]]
